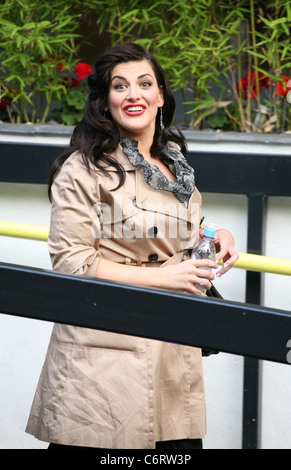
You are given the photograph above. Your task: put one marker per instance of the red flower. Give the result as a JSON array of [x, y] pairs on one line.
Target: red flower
[[82, 70], [60, 65], [247, 84], [246, 87], [75, 82], [281, 88], [71, 82], [7, 100], [4, 103]]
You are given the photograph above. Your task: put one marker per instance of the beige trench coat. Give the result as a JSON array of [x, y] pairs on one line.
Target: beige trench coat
[[103, 389]]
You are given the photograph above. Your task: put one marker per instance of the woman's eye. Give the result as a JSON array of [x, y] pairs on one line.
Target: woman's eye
[[145, 84], [122, 86], [119, 86]]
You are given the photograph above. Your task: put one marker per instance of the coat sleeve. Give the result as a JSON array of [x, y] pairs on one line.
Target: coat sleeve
[[73, 243]]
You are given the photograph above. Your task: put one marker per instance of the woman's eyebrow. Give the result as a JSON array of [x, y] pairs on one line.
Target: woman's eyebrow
[[144, 75], [119, 77]]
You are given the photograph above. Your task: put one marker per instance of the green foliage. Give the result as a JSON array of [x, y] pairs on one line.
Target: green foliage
[[230, 57], [219, 120], [37, 43], [72, 106], [206, 46]]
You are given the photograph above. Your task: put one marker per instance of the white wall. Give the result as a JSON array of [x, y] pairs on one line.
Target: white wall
[[276, 396], [23, 342], [224, 373]]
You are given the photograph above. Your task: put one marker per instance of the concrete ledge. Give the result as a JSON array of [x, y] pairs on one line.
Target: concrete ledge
[[197, 140], [36, 133], [237, 137], [32, 129]]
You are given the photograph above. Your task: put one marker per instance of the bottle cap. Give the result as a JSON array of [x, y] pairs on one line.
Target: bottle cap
[[209, 230]]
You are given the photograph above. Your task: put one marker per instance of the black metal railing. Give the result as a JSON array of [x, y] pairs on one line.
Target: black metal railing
[[232, 327], [247, 329]]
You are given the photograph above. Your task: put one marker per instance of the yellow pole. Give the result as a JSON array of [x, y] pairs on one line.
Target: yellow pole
[[32, 232], [263, 264], [246, 261]]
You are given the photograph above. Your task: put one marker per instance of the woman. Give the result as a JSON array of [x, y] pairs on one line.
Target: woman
[[124, 203]]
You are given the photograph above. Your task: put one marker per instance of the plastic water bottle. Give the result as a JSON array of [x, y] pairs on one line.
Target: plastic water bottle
[[205, 248]]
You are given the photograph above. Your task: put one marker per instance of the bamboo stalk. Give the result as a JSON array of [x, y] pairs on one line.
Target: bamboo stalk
[[253, 31]]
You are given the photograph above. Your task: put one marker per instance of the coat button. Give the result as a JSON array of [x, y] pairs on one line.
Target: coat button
[[152, 231], [153, 257]]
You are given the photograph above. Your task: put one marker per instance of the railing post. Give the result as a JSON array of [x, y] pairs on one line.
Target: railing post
[[254, 287]]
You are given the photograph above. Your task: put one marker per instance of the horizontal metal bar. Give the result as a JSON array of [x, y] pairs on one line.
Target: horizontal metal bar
[[27, 163], [265, 264], [246, 261], [238, 173], [19, 230], [226, 326]]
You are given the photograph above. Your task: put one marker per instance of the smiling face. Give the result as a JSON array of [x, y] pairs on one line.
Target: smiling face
[[134, 98]]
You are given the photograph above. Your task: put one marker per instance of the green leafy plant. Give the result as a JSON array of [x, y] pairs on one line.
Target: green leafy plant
[[72, 102], [230, 61], [37, 43], [191, 39], [206, 47], [271, 51]]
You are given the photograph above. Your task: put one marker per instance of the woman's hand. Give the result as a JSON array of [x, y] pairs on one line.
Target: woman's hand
[[224, 243], [182, 276], [186, 275]]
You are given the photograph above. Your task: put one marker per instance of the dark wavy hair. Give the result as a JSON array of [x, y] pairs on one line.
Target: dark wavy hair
[[96, 136]]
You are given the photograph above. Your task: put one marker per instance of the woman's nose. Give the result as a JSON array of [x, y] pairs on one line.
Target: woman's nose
[[133, 93]]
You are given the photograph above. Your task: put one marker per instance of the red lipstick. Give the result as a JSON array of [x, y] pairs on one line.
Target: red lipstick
[[134, 109]]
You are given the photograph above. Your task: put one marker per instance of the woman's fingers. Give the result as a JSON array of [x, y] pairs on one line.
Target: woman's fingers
[[231, 258], [204, 263], [199, 274], [203, 284], [189, 275]]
